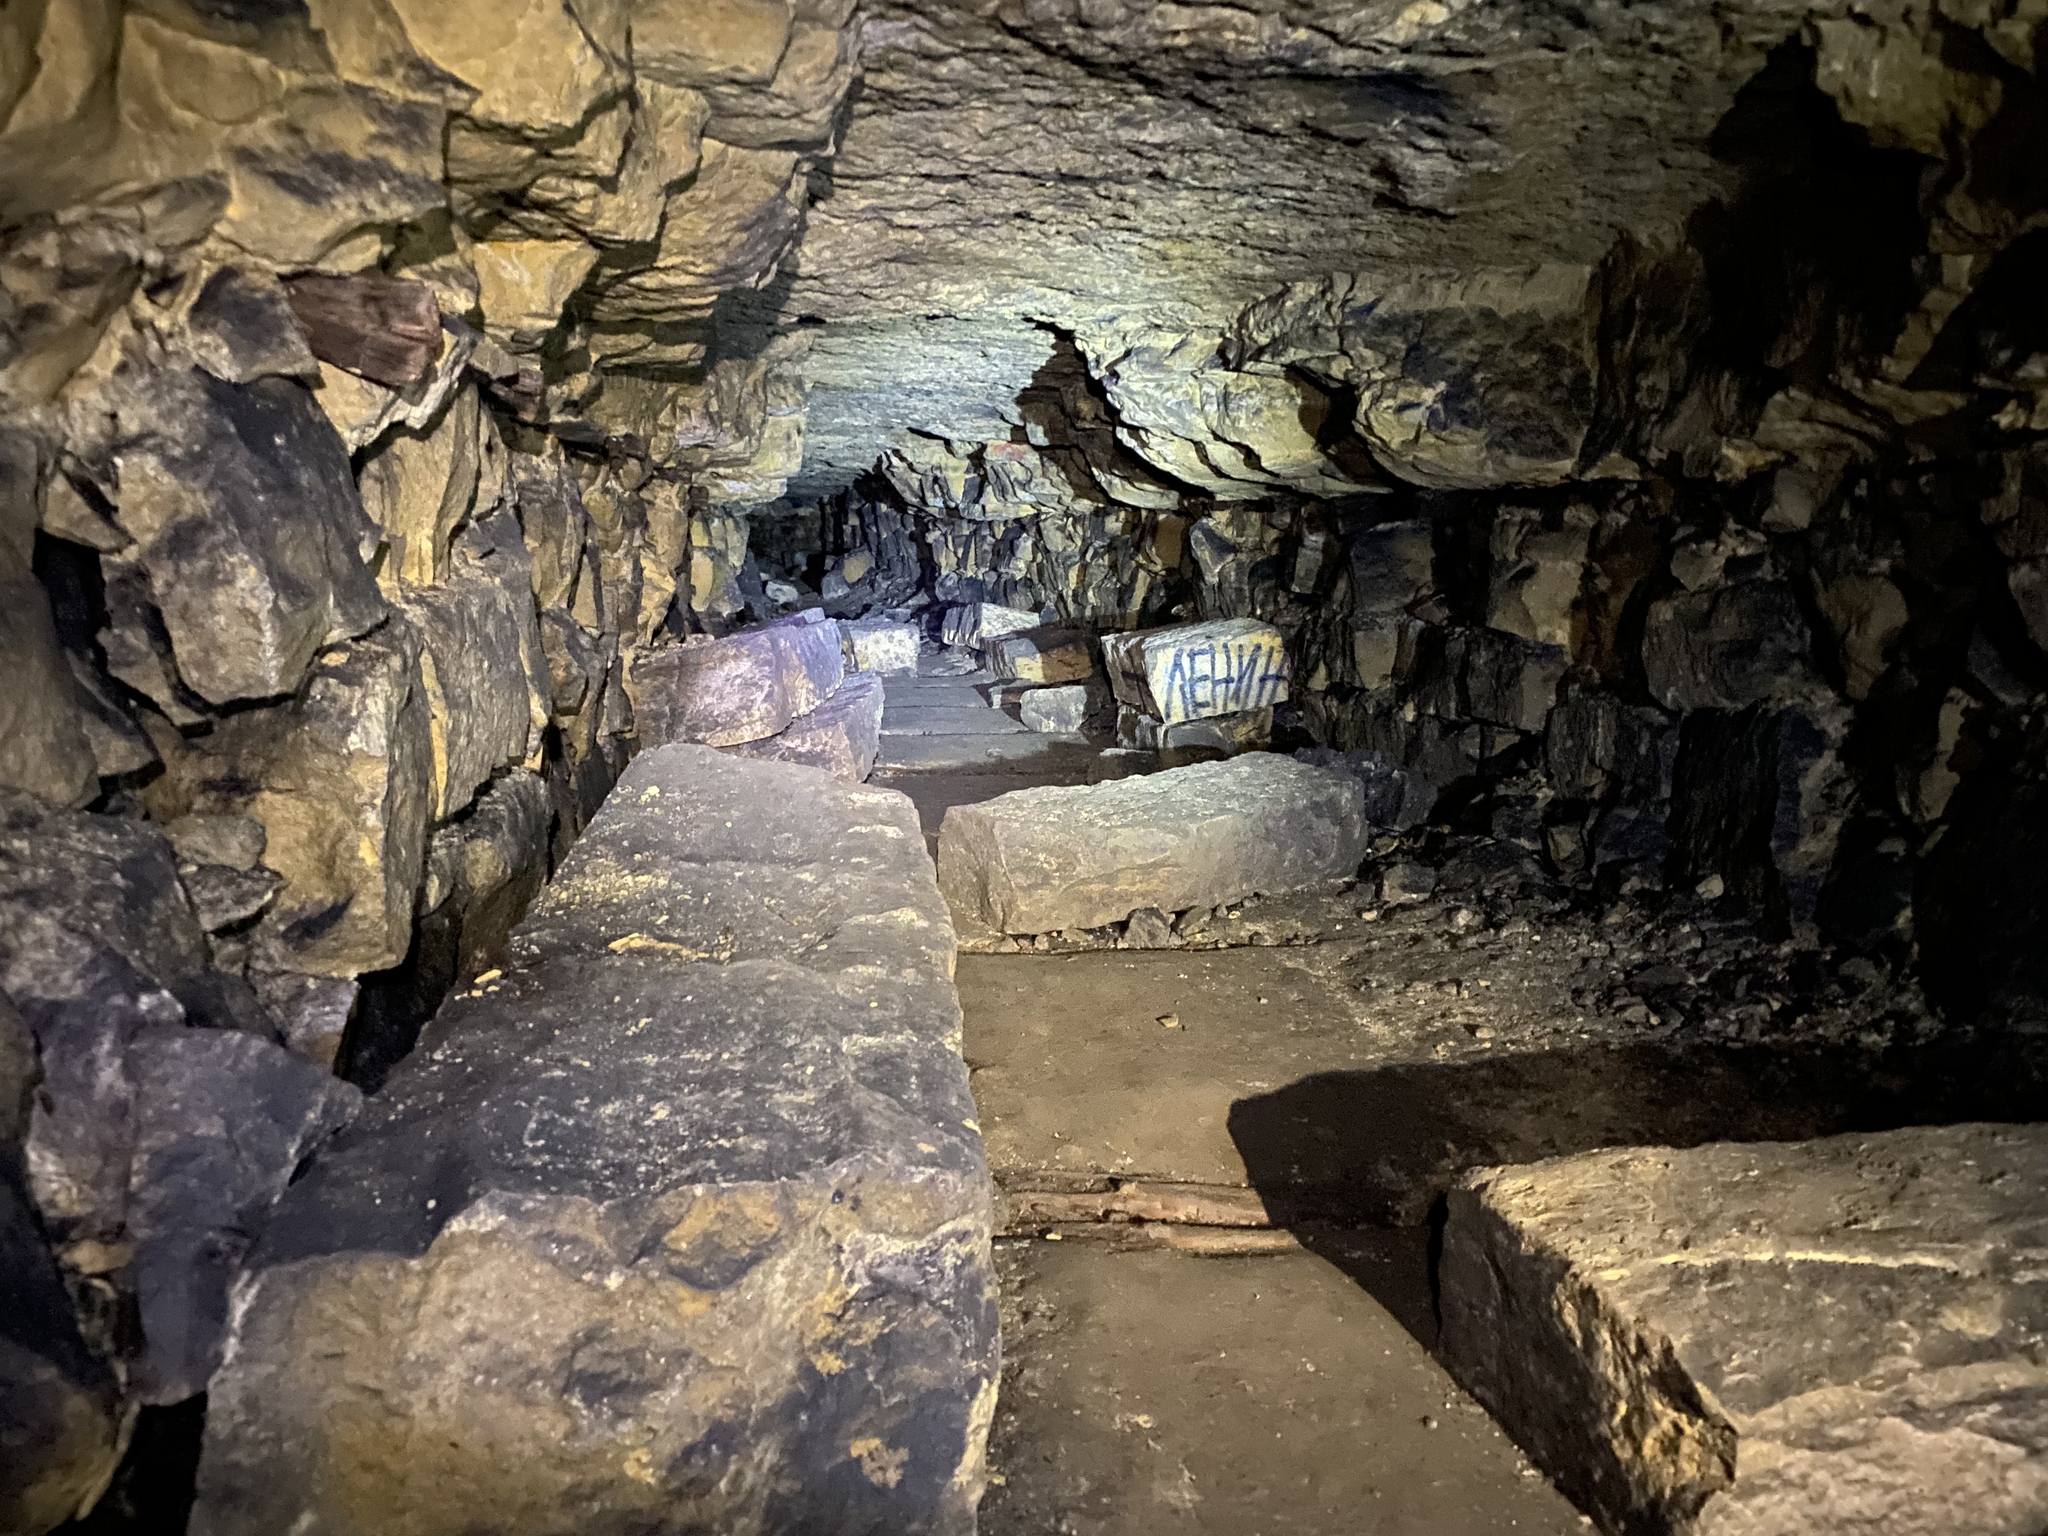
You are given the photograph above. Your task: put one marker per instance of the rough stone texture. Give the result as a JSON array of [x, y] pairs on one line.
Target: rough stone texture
[[222, 1120], [1829, 1336], [97, 943], [977, 624], [1067, 707], [245, 521], [882, 647], [1036, 860], [61, 1416], [1227, 735], [1043, 655], [343, 784], [744, 687], [818, 662], [843, 735], [682, 1224], [1194, 671]]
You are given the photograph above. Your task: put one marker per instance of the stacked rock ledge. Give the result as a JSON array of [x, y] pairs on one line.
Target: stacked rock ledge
[[682, 1223]]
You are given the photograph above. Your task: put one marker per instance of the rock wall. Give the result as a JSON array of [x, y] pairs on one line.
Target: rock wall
[[1702, 558], [358, 421]]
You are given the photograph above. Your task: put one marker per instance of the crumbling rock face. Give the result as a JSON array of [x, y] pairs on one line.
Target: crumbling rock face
[[320, 557]]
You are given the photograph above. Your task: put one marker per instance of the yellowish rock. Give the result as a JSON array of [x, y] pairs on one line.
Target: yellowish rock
[[710, 42], [418, 487], [525, 283], [532, 63]]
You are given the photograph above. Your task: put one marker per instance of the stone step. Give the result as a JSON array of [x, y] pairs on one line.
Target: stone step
[[681, 1222], [1081, 856], [920, 754], [1784, 1338], [923, 719]]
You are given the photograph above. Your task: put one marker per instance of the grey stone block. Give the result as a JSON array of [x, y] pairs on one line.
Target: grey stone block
[[1780, 1339], [843, 735], [1066, 707], [740, 688], [681, 1224], [1037, 860]]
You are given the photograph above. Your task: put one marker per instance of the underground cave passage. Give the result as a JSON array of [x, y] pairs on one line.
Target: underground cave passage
[[870, 767]]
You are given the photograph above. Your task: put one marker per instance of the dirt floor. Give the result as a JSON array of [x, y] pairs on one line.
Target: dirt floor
[[1162, 1392], [1219, 1162]]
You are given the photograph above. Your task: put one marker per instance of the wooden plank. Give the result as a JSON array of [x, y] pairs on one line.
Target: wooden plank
[[384, 329]]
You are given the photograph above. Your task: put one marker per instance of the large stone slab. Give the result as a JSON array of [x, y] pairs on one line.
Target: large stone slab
[[841, 736], [1194, 671], [738, 688], [1777, 1339], [882, 646], [1080, 856], [680, 1224]]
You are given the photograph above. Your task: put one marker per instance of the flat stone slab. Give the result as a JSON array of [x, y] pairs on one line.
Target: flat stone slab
[[1194, 671], [1775, 1339], [1046, 655], [976, 624], [1080, 856], [737, 688], [679, 1224], [881, 646], [841, 736]]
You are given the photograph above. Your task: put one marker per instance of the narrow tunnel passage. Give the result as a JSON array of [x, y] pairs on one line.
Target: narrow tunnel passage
[[805, 766]]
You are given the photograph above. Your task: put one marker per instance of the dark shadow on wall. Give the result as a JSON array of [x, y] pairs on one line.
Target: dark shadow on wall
[[1339, 1152]]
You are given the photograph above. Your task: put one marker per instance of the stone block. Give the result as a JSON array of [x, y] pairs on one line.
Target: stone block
[[1487, 675], [1780, 1339], [881, 646], [1759, 797], [342, 780], [97, 943], [1224, 735], [817, 663], [1727, 647], [1045, 655], [246, 520], [1195, 671], [681, 1224], [477, 633], [1036, 860], [1067, 707], [977, 624], [843, 735], [743, 687], [1392, 566]]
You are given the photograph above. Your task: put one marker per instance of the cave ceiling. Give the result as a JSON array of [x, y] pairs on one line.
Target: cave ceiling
[[1010, 171]]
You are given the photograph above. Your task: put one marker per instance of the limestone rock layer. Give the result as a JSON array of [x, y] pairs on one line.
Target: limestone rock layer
[[680, 1223]]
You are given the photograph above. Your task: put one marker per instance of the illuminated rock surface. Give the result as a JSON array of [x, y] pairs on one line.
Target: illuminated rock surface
[[1193, 672], [681, 1223], [1036, 860], [841, 736], [1775, 1339]]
